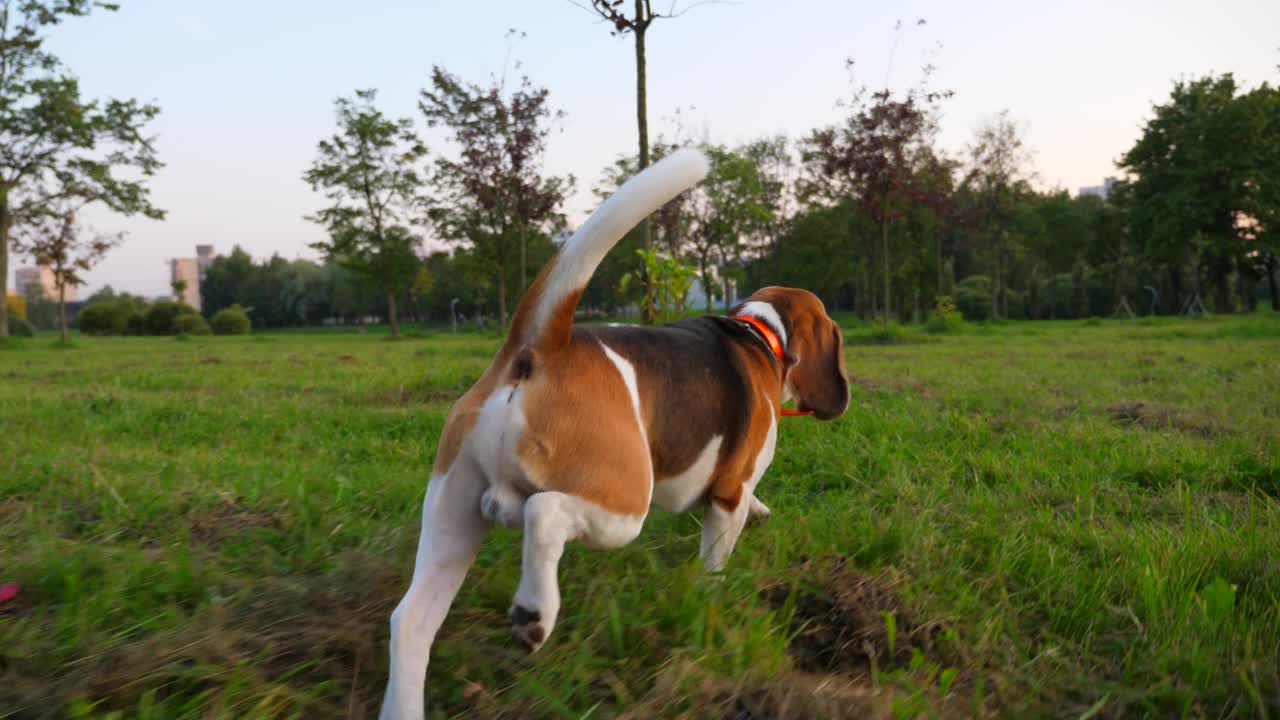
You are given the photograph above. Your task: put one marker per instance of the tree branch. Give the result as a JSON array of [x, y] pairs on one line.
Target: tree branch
[[671, 12]]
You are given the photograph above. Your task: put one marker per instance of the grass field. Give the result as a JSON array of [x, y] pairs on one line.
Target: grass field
[[1032, 519]]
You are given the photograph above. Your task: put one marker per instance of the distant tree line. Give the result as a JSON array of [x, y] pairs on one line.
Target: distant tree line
[[869, 213], [279, 293]]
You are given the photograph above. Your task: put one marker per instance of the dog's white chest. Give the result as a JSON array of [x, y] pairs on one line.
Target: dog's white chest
[[679, 493]]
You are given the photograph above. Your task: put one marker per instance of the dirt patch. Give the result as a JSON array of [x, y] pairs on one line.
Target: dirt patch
[[898, 385], [683, 690], [1063, 412], [229, 519], [1154, 416], [285, 638], [15, 507], [853, 622], [410, 396], [211, 360], [1085, 355], [347, 360]]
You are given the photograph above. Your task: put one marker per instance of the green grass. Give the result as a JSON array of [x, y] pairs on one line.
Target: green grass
[[1026, 519]]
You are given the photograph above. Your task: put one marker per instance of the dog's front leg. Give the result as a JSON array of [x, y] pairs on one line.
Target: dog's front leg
[[452, 530], [721, 527], [759, 509]]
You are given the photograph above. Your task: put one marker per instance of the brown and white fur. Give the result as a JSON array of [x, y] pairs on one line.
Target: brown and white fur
[[572, 433]]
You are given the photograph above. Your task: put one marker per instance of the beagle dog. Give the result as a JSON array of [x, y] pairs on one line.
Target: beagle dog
[[573, 433]]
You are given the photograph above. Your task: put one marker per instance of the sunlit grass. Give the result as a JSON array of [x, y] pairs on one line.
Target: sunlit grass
[[1025, 519]]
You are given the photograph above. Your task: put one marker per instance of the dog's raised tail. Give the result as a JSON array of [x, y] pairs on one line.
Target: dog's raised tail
[[544, 318]]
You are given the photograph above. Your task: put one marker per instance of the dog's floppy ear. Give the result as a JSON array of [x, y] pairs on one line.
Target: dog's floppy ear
[[818, 378]]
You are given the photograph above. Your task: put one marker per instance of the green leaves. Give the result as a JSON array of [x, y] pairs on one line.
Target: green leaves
[[56, 147], [370, 175], [1203, 176]]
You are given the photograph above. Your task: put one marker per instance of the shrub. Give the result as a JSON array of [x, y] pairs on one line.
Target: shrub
[[17, 306], [19, 327], [945, 318], [136, 325], [231, 321], [108, 317], [159, 318], [973, 297], [191, 324]]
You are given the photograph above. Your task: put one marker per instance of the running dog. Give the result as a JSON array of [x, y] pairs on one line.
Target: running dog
[[573, 433]]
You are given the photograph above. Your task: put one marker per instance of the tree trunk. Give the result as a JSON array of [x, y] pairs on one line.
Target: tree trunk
[[869, 292], [884, 257], [524, 275], [1220, 274], [994, 285], [62, 313], [1004, 287], [639, 27], [725, 282], [706, 286], [1272, 262], [1175, 286], [502, 296], [1244, 284], [937, 241], [391, 313], [6, 222]]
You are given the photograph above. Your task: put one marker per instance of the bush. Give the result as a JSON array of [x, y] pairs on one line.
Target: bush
[[19, 327], [231, 321], [191, 324], [137, 325], [159, 318], [945, 318], [973, 297], [108, 317], [17, 306]]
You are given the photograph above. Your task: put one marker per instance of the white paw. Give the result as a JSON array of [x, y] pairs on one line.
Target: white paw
[[759, 509]]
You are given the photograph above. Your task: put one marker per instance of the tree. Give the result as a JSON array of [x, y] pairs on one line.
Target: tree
[[55, 145], [1196, 182], [494, 193], [368, 171], [1263, 226], [775, 167], [68, 250], [728, 208], [222, 282], [637, 24], [880, 157], [998, 176]]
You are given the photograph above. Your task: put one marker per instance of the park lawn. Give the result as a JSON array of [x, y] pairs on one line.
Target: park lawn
[[1026, 519]]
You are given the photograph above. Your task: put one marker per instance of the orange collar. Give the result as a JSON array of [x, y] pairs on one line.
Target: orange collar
[[775, 345]]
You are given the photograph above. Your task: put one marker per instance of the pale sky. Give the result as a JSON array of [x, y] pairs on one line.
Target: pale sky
[[246, 86]]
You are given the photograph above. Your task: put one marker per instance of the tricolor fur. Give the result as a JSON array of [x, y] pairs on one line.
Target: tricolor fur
[[573, 433]]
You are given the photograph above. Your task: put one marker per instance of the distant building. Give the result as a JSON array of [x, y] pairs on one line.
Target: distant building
[[204, 257], [42, 278], [189, 271], [1102, 191], [696, 299], [186, 270]]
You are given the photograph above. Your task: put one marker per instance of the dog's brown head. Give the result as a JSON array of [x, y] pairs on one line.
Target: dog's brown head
[[815, 350]]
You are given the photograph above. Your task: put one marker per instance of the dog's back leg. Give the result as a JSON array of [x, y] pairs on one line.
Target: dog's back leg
[[452, 530], [550, 520]]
